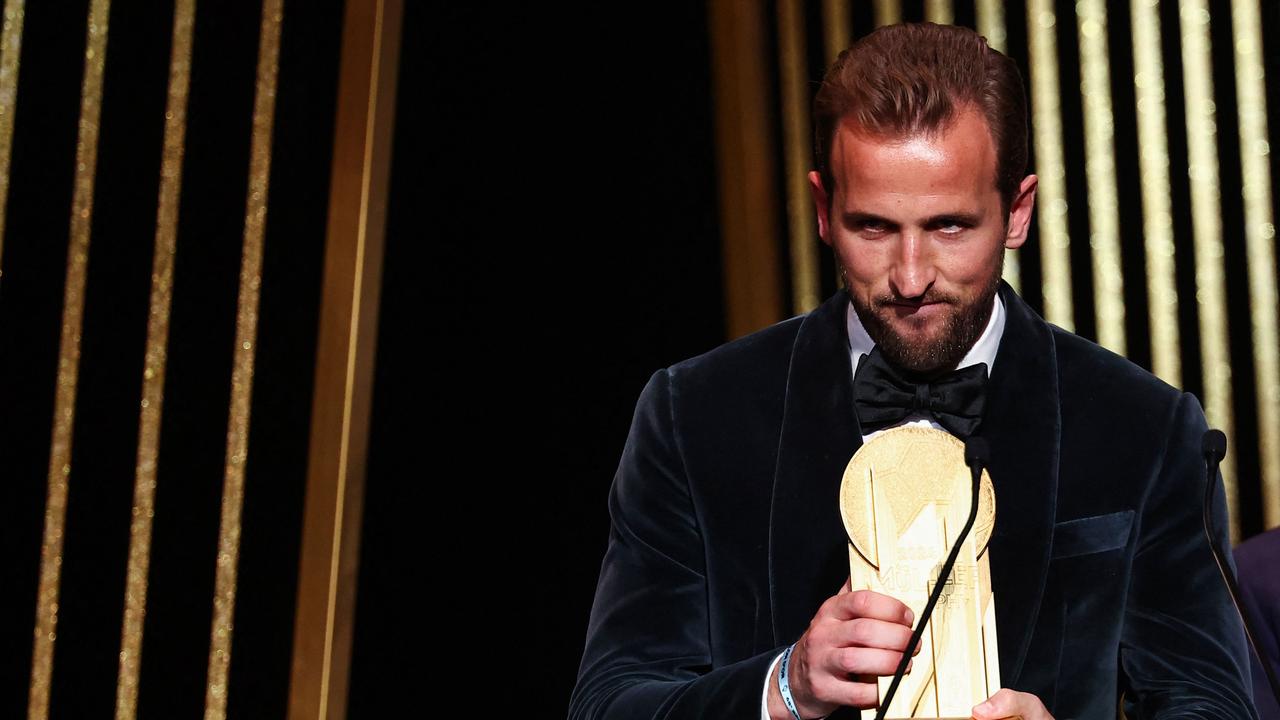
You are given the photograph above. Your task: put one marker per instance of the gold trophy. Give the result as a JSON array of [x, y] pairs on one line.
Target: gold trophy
[[905, 496]]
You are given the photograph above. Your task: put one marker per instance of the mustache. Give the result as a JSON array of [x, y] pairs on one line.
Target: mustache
[[931, 296]]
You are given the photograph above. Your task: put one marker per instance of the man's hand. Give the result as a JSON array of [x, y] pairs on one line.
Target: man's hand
[[854, 638], [1012, 704]]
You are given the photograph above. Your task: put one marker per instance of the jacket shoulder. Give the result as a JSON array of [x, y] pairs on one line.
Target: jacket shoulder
[[757, 355], [738, 387], [1093, 378]]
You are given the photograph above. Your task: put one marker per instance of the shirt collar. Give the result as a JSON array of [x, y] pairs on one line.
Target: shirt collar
[[983, 350]]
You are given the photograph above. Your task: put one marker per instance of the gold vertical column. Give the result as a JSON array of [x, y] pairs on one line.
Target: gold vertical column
[[1206, 224], [744, 159], [1157, 211], [835, 28], [805, 288], [939, 11], [1100, 171], [224, 589], [10, 53], [1260, 234], [888, 12], [345, 360], [144, 484], [1055, 243], [64, 403], [836, 38], [991, 25]]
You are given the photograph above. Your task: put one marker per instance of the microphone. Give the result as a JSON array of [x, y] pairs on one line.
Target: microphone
[[977, 456], [976, 452], [1214, 447]]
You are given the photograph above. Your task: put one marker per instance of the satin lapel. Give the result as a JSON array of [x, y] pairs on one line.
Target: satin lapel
[[1022, 424], [808, 560]]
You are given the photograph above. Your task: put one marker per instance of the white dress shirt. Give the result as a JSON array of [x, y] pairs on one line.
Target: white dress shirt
[[860, 343]]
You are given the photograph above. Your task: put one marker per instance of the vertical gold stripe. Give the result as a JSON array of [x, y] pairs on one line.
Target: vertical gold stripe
[[1055, 244], [1260, 234], [835, 28], [144, 485], [888, 12], [357, 380], [991, 25], [224, 597], [745, 167], [805, 290], [1100, 171], [835, 31], [939, 11], [10, 53], [1206, 224], [1157, 211], [344, 360], [64, 403]]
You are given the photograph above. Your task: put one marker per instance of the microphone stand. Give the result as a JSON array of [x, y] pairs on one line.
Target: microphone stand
[[1214, 446], [976, 456]]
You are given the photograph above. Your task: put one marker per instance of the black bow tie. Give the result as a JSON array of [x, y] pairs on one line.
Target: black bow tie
[[885, 395]]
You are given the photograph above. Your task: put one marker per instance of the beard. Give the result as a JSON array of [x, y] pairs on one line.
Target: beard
[[940, 353]]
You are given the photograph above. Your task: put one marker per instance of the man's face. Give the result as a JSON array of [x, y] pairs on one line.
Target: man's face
[[918, 231]]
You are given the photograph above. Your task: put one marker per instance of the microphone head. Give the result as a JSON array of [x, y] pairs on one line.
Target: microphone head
[[976, 452], [1214, 443]]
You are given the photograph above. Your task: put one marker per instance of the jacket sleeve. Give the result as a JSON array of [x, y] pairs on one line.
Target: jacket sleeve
[[648, 649], [1182, 649]]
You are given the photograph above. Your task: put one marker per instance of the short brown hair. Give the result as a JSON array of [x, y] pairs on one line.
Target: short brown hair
[[901, 80]]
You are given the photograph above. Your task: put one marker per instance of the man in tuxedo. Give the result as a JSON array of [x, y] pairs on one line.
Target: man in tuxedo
[[727, 552]]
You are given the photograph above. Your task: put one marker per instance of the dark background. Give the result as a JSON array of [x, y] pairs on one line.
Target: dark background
[[569, 240], [552, 240]]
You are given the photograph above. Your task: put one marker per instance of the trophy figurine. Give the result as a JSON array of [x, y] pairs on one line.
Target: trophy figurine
[[905, 497]]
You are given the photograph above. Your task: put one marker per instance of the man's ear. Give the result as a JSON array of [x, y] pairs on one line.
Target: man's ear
[[821, 205], [1020, 213]]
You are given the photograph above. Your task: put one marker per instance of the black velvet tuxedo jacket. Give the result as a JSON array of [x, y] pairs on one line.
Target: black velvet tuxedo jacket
[[726, 533]]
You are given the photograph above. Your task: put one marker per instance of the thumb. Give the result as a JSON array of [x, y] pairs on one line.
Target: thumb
[[846, 587]]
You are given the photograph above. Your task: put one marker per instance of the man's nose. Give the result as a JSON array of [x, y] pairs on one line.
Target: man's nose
[[913, 270]]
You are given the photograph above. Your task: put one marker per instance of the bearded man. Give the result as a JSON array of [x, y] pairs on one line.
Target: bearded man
[[727, 551]]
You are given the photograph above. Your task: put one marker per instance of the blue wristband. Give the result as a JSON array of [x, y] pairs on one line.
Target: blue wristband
[[784, 686]]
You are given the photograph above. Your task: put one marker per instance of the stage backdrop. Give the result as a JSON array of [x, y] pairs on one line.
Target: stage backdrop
[[1155, 232], [192, 207]]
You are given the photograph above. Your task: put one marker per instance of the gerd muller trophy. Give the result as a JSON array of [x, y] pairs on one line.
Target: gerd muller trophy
[[905, 498]]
